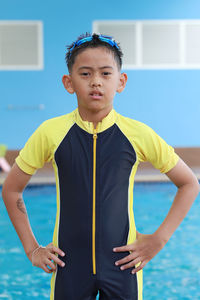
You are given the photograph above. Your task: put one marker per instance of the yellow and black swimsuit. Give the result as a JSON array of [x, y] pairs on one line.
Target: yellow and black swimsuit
[[94, 171]]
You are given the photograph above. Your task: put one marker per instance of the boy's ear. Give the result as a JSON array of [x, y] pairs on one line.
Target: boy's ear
[[122, 82], [67, 82]]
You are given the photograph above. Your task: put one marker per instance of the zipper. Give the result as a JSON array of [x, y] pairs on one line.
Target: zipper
[[94, 201]]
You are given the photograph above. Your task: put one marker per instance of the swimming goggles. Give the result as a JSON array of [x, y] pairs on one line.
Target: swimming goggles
[[104, 38]]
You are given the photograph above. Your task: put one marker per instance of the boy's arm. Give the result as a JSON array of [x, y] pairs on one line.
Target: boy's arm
[[12, 190], [188, 188], [147, 246]]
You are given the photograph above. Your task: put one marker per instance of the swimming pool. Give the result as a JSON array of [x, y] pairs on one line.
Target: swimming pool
[[173, 274]]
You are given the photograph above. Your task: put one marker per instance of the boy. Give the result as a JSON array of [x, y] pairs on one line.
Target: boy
[[95, 153]]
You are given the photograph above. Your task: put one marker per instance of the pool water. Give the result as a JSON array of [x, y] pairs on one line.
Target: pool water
[[173, 274]]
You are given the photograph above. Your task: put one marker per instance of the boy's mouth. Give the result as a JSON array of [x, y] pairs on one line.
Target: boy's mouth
[[96, 94]]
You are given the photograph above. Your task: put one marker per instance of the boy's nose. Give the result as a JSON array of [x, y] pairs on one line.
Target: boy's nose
[[96, 81]]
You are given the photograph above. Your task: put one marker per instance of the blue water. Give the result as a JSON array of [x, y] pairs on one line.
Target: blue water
[[173, 274]]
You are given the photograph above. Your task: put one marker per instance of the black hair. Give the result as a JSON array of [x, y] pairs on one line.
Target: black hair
[[94, 43]]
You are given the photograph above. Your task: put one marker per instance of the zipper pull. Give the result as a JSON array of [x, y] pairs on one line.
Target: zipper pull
[[95, 133]]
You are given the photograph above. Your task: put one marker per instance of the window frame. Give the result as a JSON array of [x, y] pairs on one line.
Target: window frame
[[40, 50]]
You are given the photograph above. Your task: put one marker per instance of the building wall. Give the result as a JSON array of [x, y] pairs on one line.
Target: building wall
[[166, 100]]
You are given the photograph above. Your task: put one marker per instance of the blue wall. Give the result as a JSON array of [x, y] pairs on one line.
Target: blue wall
[[167, 100]]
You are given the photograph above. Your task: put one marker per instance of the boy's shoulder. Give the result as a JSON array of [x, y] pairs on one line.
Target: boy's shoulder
[[59, 120], [132, 124], [57, 124]]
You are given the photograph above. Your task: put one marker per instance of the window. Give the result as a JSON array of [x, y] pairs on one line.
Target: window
[[159, 44], [21, 45]]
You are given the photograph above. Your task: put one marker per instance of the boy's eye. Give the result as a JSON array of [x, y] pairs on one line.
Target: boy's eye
[[107, 73], [84, 73]]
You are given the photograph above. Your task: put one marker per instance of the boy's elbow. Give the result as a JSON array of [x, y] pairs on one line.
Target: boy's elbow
[[5, 190], [15, 182], [195, 186]]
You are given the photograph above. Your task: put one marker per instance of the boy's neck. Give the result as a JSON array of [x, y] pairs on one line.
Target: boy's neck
[[94, 117]]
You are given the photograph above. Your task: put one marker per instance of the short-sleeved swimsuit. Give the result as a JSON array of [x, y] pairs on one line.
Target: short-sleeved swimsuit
[[94, 172]]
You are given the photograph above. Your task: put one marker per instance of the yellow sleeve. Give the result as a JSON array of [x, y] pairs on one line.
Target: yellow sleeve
[[36, 151], [155, 150]]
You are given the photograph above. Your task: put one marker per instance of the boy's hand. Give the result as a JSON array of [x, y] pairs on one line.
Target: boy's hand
[[46, 258], [145, 247]]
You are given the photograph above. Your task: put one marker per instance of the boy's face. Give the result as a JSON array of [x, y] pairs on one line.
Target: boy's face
[[95, 78]]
